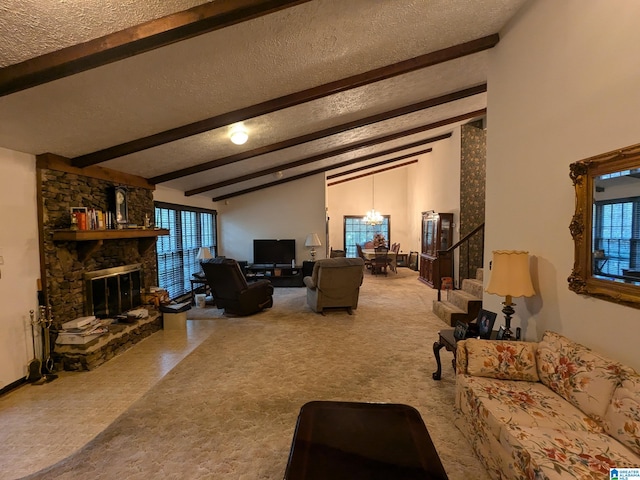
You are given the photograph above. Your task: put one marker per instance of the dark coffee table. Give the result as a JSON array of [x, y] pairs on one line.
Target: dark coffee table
[[373, 441]]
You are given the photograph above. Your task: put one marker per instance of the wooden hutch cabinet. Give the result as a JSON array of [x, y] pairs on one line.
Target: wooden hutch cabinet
[[437, 234]]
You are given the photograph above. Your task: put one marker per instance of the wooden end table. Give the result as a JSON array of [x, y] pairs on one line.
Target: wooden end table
[[448, 341], [353, 440]]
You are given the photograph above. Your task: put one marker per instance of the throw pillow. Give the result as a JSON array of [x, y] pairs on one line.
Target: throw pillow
[[502, 359]]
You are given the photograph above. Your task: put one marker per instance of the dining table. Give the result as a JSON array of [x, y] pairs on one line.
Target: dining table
[[370, 254]]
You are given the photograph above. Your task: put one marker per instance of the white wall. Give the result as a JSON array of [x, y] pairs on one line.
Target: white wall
[[404, 193], [356, 197], [290, 210], [171, 195], [563, 86], [435, 185], [19, 248]]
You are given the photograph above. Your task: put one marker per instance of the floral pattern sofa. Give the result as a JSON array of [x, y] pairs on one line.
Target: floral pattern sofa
[[548, 410]]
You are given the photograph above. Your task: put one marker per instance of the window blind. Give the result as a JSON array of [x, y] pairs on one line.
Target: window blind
[[189, 229], [616, 231]]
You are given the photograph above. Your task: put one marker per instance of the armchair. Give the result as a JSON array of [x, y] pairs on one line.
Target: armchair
[[335, 283], [231, 290]]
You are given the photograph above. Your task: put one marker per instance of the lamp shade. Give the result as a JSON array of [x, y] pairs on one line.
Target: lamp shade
[[204, 253], [510, 274], [312, 240]]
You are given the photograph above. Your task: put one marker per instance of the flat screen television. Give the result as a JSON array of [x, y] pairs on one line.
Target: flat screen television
[[274, 251]]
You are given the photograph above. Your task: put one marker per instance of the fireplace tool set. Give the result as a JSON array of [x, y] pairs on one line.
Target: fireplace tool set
[[41, 371]]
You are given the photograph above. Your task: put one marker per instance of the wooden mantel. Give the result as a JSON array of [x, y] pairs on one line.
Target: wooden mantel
[[93, 239]]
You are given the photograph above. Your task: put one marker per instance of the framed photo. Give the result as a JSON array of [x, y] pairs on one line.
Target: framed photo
[[78, 218], [73, 210], [460, 332], [500, 335], [485, 321]]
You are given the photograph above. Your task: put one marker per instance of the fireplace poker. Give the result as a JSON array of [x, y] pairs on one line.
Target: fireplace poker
[[35, 365]]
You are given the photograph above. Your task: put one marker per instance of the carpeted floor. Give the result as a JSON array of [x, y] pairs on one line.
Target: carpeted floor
[[228, 410]]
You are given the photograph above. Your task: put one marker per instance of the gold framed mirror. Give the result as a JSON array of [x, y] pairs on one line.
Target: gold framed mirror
[[606, 226]]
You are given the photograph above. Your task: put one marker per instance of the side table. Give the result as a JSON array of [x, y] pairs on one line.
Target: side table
[[448, 341], [195, 283]]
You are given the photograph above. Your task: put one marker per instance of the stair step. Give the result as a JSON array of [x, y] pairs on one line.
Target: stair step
[[473, 286], [462, 299], [449, 313]]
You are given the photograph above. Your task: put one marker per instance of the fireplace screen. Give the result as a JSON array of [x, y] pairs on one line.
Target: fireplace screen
[[112, 291]]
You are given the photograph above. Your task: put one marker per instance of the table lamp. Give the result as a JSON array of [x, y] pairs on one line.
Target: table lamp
[[510, 277], [312, 241], [203, 254]]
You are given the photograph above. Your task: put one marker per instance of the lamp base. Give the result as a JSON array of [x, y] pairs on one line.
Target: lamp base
[[508, 312], [313, 254]]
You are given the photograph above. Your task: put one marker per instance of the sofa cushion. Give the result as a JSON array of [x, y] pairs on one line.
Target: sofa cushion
[[500, 359], [622, 419], [583, 377], [492, 404], [548, 453]]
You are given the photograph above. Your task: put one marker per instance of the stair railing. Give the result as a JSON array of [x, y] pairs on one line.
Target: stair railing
[[449, 253]]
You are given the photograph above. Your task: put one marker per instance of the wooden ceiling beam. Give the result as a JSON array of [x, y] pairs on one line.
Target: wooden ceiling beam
[[135, 40], [287, 101], [349, 148], [393, 167], [375, 165], [321, 156], [441, 123], [220, 162], [316, 172]]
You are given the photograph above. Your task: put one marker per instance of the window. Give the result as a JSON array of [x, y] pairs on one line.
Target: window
[[356, 231], [190, 228], [616, 231]]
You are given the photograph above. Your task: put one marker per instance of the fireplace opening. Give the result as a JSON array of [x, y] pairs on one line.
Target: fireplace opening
[[112, 291]]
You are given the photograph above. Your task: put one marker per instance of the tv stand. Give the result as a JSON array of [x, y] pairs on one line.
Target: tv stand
[[279, 275]]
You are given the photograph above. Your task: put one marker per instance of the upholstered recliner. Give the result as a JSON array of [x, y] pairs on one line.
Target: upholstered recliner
[[335, 283], [230, 288]]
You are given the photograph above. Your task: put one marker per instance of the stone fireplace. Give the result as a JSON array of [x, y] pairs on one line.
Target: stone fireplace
[[79, 281], [65, 264]]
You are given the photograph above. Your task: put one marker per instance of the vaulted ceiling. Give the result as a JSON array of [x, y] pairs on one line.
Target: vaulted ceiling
[[152, 88]]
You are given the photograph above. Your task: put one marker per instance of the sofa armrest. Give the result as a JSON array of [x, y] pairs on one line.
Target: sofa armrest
[[461, 357], [309, 283], [506, 360]]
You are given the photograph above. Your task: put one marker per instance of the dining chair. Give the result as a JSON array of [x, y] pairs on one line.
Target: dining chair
[[367, 262], [380, 262], [393, 259]]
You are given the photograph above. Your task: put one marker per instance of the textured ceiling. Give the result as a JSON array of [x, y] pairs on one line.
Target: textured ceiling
[[235, 67], [30, 28]]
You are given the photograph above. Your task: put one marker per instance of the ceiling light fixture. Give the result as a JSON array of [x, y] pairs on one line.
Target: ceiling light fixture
[[372, 217], [238, 134]]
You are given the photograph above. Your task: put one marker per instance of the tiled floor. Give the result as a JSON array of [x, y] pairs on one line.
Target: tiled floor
[[42, 424]]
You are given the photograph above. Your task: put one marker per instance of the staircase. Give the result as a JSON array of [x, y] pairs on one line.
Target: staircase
[[463, 304]]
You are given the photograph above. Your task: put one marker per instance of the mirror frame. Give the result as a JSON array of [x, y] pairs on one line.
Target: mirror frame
[[583, 173]]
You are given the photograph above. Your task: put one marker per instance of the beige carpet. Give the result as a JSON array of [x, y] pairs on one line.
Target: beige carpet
[[228, 411]]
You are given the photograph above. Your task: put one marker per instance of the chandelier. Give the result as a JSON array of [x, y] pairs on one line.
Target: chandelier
[[372, 217]]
